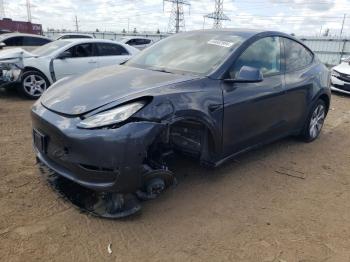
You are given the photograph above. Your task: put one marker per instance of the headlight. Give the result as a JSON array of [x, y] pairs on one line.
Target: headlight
[[112, 116], [335, 73]]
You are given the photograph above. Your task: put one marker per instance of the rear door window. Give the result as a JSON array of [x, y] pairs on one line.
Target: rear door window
[[131, 42], [82, 50], [142, 41], [109, 49], [14, 41], [74, 36], [34, 41], [297, 56]]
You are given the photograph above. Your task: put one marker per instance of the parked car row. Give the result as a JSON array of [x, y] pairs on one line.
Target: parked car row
[[35, 71], [30, 41]]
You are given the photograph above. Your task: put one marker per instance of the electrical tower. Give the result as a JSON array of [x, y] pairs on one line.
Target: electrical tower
[[218, 15], [29, 13], [2, 9], [76, 24], [177, 17]]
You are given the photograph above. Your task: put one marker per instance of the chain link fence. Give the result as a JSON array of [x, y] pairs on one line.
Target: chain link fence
[[107, 35], [329, 50]]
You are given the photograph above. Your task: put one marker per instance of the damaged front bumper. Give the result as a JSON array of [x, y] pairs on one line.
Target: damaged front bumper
[[104, 160], [10, 71]]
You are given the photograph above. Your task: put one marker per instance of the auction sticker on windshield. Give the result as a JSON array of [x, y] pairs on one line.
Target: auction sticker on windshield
[[220, 43]]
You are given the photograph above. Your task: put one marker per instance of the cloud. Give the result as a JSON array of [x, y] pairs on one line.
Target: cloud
[[298, 16], [317, 5]]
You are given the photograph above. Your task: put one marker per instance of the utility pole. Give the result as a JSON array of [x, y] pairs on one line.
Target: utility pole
[[2, 9], [76, 24], [177, 17], [342, 26], [29, 13], [218, 15], [128, 24]]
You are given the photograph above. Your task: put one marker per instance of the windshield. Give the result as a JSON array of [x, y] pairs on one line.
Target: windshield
[[49, 48], [197, 53]]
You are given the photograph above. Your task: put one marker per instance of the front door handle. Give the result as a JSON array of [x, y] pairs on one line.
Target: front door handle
[[92, 62]]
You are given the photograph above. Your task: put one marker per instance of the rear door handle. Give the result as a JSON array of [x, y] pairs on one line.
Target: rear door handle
[[92, 62]]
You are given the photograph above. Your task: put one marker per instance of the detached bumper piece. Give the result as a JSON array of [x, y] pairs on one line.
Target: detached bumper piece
[[105, 205], [341, 83], [10, 73]]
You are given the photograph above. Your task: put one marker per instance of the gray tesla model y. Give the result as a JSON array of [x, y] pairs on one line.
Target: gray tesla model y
[[209, 94]]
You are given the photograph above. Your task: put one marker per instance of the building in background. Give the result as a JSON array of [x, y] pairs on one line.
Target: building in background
[[7, 24]]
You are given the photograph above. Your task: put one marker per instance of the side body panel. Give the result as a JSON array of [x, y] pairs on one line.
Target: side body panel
[[253, 112], [74, 66]]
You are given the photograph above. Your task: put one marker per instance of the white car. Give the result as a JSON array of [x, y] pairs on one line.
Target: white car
[[340, 77], [26, 41], [137, 42], [73, 36], [35, 71]]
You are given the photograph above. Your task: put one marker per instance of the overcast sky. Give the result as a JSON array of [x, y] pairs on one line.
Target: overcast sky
[[303, 17]]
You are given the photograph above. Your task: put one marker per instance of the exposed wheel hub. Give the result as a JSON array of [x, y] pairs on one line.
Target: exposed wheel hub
[[156, 186], [155, 182]]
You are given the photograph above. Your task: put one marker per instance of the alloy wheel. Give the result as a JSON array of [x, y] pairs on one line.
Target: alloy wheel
[[34, 85], [317, 120]]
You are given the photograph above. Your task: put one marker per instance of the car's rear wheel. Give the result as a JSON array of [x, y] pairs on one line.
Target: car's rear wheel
[[315, 121], [33, 84]]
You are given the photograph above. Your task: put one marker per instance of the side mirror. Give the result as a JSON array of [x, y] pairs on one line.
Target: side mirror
[[64, 55], [248, 74], [2, 45]]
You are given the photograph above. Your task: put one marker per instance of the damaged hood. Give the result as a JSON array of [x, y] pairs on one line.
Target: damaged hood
[[105, 85], [14, 55]]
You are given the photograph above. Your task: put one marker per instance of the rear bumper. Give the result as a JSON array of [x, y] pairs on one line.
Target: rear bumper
[[108, 160]]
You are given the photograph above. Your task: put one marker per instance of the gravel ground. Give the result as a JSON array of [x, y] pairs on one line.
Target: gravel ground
[[288, 201]]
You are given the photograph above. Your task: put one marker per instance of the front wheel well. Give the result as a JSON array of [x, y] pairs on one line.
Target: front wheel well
[[326, 100], [191, 136], [29, 68], [187, 137]]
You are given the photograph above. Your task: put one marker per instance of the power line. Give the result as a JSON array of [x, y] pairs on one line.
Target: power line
[[76, 24], [177, 17], [29, 13], [342, 25], [218, 15]]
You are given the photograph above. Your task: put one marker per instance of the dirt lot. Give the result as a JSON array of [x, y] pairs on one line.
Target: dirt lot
[[247, 210]]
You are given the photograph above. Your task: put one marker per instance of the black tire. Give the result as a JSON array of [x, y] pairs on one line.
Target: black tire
[[314, 122], [33, 84]]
